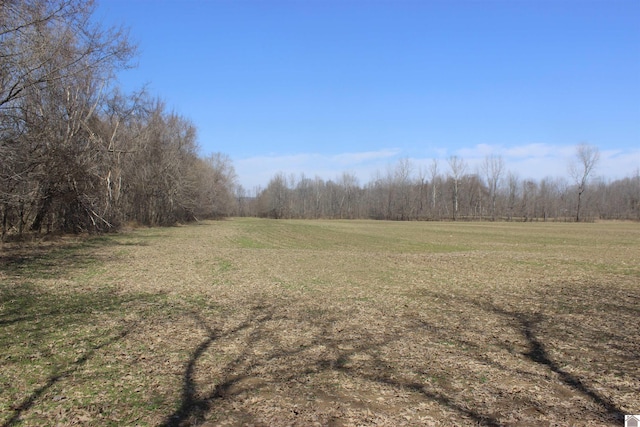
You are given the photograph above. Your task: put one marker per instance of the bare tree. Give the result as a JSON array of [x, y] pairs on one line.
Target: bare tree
[[394, 195], [529, 199], [401, 189], [433, 173], [219, 193], [512, 193], [493, 167], [275, 199], [54, 69], [349, 184], [421, 197], [458, 168], [587, 157]]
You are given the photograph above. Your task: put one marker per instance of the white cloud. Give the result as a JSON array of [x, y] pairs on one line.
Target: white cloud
[[528, 151], [615, 164], [534, 161], [540, 160], [480, 150], [257, 171], [357, 158]]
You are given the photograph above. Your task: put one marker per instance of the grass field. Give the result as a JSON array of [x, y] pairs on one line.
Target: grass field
[[337, 323]]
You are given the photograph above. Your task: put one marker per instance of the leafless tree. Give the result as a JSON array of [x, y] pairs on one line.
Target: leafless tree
[[396, 195], [529, 199], [587, 157], [401, 189], [457, 168], [218, 192], [54, 70], [274, 200], [512, 194], [78, 155], [492, 168], [433, 174], [349, 184]]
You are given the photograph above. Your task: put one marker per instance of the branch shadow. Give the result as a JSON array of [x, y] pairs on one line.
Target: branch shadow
[[193, 410], [528, 325], [56, 258], [329, 350], [47, 328], [29, 401], [538, 354]]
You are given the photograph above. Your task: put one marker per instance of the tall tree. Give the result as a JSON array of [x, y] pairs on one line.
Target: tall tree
[[587, 157], [400, 183], [275, 199], [493, 167], [218, 192], [457, 168], [513, 182], [433, 174], [54, 69]]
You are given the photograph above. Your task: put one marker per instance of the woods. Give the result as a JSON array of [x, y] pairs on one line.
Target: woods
[[453, 192], [79, 155]]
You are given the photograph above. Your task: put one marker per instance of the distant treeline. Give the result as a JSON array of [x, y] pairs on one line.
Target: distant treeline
[[406, 194], [75, 153]]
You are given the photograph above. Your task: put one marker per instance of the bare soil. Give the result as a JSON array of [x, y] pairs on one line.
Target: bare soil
[[250, 322]]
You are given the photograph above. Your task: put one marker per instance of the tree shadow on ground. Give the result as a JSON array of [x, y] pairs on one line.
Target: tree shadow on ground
[[22, 301], [528, 324], [53, 337], [195, 407], [76, 365], [58, 333], [55, 259], [52, 333], [331, 351], [538, 354]]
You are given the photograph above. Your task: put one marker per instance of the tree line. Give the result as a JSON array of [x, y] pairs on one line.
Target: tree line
[[447, 190], [76, 153]]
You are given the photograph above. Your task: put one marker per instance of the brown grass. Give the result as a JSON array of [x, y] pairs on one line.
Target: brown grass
[[262, 322]]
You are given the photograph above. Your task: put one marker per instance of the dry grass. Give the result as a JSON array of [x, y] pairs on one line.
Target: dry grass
[[261, 322]]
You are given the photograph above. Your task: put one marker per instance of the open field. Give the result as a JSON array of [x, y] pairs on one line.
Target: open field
[[338, 323]]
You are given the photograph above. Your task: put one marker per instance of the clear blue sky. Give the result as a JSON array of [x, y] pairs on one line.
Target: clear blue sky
[[322, 86]]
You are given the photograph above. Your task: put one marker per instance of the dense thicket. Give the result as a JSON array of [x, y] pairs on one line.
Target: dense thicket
[[77, 155], [491, 193]]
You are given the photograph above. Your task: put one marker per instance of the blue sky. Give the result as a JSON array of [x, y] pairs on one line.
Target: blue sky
[[321, 87]]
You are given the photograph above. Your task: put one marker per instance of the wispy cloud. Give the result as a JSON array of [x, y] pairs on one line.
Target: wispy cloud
[[257, 171], [362, 157], [619, 163], [540, 160], [534, 161]]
